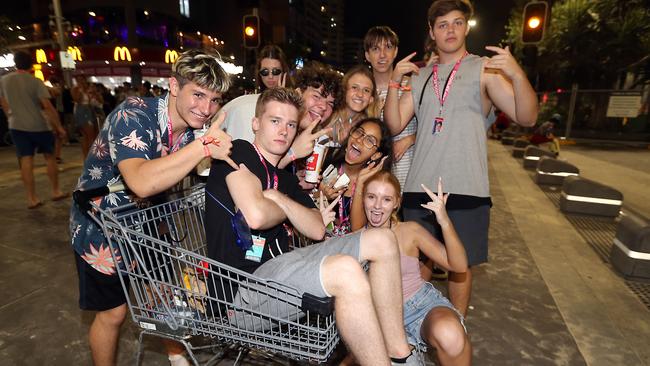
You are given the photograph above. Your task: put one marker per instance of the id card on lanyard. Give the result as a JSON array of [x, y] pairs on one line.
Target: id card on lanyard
[[439, 121], [256, 251]]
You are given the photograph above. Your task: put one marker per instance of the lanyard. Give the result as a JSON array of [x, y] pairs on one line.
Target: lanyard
[[448, 83], [170, 137], [268, 176]]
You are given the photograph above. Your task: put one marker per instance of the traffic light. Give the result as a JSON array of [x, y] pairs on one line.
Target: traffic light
[[251, 28], [534, 22]]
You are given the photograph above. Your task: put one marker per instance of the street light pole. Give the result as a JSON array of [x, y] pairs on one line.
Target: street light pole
[[58, 18]]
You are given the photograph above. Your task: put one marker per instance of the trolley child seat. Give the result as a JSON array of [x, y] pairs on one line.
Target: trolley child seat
[[176, 292]]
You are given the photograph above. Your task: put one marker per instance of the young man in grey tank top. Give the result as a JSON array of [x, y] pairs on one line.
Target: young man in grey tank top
[[451, 100]]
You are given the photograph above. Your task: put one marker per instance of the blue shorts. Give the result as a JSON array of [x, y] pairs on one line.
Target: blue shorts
[[418, 306], [28, 143]]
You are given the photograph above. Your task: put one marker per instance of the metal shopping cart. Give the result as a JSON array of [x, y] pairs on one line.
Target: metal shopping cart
[[177, 293]]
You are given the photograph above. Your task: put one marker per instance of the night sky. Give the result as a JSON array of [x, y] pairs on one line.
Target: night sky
[[408, 19]]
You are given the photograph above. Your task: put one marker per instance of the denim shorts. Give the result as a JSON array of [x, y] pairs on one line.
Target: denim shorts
[[418, 306]]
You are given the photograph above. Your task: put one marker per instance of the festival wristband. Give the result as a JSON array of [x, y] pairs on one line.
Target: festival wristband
[[394, 85], [207, 140]]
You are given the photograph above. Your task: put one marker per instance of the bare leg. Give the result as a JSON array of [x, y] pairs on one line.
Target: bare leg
[[442, 329], [27, 173], [379, 246], [460, 290], [53, 174], [356, 319], [104, 335]]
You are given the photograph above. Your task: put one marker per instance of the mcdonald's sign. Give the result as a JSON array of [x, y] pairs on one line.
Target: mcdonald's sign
[[170, 56], [41, 57], [75, 53], [121, 53], [38, 73]]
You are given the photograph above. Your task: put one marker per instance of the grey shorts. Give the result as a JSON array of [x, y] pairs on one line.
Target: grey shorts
[[298, 272], [471, 225]]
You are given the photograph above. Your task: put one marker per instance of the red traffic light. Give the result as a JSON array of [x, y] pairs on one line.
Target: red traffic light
[[251, 29], [534, 21]]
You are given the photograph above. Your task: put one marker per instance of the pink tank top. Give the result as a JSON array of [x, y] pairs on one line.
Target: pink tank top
[[411, 277]]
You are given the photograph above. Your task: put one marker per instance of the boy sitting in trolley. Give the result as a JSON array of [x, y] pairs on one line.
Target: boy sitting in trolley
[[368, 312]]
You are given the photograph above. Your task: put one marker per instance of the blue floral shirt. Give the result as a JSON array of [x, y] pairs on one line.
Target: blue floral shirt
[[137, 128]]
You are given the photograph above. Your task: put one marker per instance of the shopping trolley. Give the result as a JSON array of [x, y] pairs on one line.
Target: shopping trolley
[[177, 293]]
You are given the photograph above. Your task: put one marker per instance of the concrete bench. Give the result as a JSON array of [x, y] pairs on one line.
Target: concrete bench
[[552, 171], [630, 253], [518, 147], [532, 154], [584, 196]]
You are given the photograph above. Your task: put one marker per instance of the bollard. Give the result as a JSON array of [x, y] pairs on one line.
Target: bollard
[[630, 254], [532, 154], [584, 196], [552, 171], [518, 147]]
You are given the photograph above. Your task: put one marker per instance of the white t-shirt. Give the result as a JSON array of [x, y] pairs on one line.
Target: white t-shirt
[[239, 117]]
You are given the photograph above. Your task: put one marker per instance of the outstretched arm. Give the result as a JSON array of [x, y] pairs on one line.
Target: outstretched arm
[[452, 255], [148, 177], [508, 88]]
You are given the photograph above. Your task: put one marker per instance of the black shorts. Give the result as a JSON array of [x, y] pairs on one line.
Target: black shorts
[[471, 225], [97, 291]]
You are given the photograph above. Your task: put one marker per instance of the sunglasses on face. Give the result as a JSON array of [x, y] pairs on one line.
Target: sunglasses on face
[[274, 71]]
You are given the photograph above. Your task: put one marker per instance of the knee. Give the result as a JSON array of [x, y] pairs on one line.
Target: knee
[[112, 317], [448, 335], [343, 275], [380, 242]]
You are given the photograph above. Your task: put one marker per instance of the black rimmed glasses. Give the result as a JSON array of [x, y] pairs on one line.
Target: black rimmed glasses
[[274, 72], [368, 141]]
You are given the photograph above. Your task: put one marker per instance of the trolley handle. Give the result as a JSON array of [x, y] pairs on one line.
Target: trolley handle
[[83, 198]]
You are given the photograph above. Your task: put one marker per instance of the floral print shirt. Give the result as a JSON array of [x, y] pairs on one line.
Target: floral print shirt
[[137, 128]]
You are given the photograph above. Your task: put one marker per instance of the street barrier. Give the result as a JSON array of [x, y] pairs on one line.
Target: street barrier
[[584, 196], [518, 147], [630, 253], [532, 154], [552, 171]]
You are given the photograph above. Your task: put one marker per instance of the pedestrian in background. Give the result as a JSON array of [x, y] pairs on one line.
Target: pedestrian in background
[[25, 100]]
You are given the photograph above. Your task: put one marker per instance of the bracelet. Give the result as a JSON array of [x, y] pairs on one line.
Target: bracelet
[[291, 154], [208, 140], [394, 84]]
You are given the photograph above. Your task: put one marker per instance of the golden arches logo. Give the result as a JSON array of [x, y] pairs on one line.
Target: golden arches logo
[[38, 72], [121, 54], [75, 53], [170, 56], [41, 57]]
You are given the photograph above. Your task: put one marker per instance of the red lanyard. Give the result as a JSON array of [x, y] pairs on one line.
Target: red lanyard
[[268, 176], [170, 137], [448, 83]]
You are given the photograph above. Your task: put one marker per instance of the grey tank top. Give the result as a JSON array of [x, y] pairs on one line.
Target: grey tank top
[[458, 153]]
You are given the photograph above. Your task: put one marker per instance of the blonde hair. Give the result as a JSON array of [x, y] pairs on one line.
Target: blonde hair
[[279, 94], [202, 68], [387, 177]]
